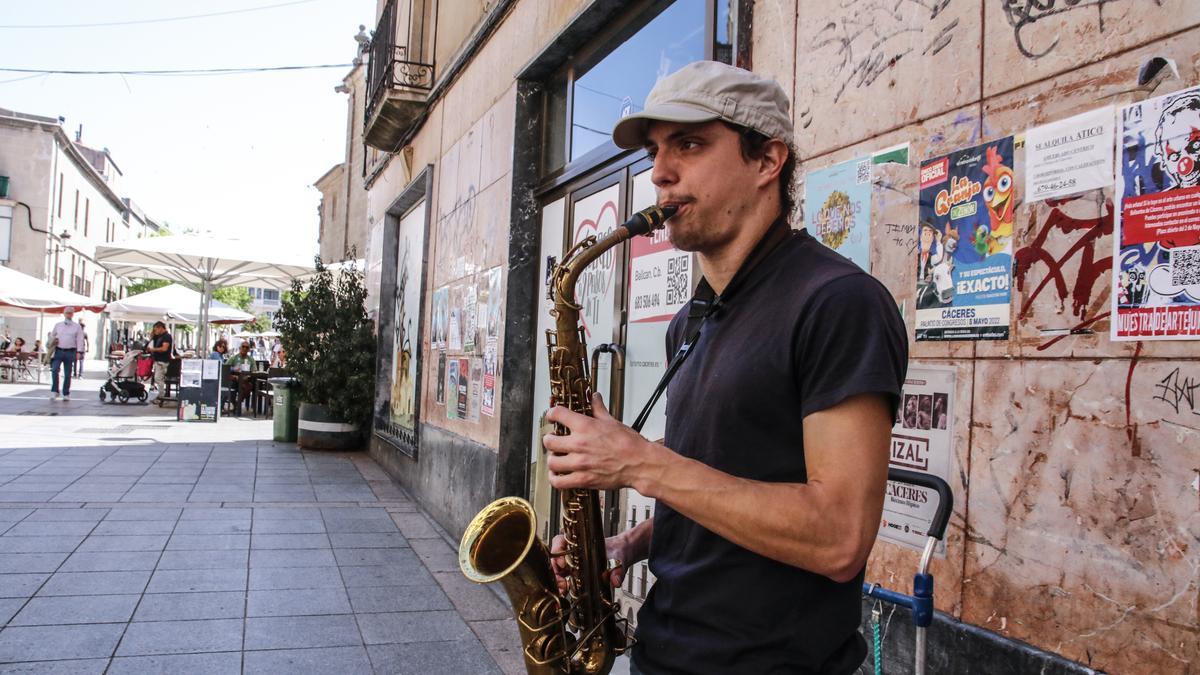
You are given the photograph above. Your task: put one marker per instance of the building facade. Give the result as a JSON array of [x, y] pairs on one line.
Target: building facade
[[1074, 540], [66, 202]]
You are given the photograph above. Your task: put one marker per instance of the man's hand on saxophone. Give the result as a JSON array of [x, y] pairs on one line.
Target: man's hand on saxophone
[[601, 453]]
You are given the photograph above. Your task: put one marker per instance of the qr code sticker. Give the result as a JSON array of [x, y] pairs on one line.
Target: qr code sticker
[[864, 172], [677, 279], [1185, 266]]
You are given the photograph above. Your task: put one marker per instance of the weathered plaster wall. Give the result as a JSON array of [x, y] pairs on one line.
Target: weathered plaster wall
[[1077, 459]]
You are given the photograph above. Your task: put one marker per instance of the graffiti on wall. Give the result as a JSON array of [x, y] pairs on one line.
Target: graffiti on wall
[[869, 37], [1021, 14]]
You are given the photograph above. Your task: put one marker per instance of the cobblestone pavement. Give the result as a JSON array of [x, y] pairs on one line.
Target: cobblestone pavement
[[132, 543]]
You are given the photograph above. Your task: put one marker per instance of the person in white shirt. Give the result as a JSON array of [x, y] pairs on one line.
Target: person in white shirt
[[66, 340]]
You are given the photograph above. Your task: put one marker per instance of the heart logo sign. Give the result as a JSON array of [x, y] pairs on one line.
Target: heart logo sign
[[596, 281]]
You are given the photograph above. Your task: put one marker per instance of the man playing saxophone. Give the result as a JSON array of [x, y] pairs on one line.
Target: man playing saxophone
[[769, 484]]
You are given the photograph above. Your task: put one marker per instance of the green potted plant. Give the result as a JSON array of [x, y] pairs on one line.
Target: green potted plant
[[330, 347]]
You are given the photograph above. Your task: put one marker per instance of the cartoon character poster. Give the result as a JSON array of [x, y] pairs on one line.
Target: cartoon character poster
[[837, 208], [964, 244], [1156, 257]]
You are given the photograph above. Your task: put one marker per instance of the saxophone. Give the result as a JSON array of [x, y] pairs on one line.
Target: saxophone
[[580, 631]]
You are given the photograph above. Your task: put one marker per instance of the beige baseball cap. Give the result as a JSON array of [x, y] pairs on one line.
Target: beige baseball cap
[[709, 90]]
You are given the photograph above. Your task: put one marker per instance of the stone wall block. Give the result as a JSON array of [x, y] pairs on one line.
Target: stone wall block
[[773, 42], [1082, 533], [881, 64], [1028, 40]]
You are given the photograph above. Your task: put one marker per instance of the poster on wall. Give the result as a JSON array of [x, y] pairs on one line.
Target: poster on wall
[[964, 244], [464, 388], [495, 308], [922, 442], [488, 403], [1069, 156], [440, 316], [470, 323], [473, 402], [441, 377], [452, 389], [1156, 247], [454, 320], [398, 423], [837, 208]]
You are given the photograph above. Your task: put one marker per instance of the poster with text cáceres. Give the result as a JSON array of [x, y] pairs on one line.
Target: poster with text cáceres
[[964, 244]]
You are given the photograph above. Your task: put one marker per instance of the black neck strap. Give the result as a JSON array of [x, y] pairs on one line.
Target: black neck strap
[[706, 302]]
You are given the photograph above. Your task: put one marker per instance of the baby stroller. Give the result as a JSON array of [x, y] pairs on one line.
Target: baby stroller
[[122, 383]]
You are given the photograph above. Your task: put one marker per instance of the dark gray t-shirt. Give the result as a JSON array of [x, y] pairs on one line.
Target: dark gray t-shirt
[[804, 330]]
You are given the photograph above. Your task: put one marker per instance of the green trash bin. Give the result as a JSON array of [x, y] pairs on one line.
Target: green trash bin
[[286, 409]]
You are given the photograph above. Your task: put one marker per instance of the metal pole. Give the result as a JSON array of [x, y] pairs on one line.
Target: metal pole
[[205, 299]]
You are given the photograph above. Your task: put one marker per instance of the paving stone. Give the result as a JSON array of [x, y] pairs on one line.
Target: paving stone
[[291, 526], [144, 513], [278, 513], [110, 561], [124, 542], [43, 528], [197, 580], [66, 667], [213, 527], [275, 578], [498, 634], [44, 643], [47, 544], [292, 557], [9, 607], [268, 541], [293, 632], [433, 626], [386, 575], [181, 637], [376, 556], [374, 599], [415, 526], [204, 513], [44, 611], [30, 562], [218, 663], [208, 542], [433, 658], [297, 602], [95, 583], [437, 555], [180, 606], [473, 601], [196, 560], [368, 540], [320, 661], [135, 527], [20, 585]]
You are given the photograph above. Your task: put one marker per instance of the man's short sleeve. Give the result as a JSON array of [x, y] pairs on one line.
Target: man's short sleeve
[[851, 340]]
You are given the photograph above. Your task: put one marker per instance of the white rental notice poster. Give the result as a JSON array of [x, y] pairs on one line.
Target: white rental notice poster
[[1070, 156], [922, 442]]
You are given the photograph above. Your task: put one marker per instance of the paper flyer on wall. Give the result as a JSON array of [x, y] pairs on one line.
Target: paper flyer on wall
[[1156, 247], [463, 390], [495, 307], [452, 389], [474, 395], [964, 244], [440, 316], [454, 323], [837, 208], [441, 377], [488, 402], [1070, 156], [470, 310], [921, 441]]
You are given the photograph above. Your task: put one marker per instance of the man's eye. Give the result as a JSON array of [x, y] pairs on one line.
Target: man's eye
[[688, 145]]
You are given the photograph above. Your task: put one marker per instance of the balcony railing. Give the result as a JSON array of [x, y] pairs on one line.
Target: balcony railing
[[397, 86]]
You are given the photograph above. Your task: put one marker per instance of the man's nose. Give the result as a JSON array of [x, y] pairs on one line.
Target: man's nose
[[664, 173]]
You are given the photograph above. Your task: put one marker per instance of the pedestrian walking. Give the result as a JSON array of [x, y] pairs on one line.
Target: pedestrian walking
[[66, 340], [82, 354], [162, 348]]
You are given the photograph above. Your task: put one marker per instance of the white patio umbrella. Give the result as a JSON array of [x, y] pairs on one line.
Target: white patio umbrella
[[176, 303], [203, 263], [26, 296]]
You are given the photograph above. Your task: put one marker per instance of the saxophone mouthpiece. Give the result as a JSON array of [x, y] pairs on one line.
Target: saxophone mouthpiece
[[649, 219]]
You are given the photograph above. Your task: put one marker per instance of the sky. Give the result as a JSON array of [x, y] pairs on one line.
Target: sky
[[234, 155]]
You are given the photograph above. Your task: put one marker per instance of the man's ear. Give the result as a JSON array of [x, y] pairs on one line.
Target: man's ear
[[775, 155]]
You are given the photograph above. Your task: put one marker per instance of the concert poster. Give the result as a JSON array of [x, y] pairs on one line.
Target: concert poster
[[1156, 242], [922, 440], [464, 387], [964, 243], [452, 389], [837, 208]]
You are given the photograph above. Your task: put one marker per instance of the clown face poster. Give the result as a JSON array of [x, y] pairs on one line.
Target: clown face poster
[[1156, 256], [837, 208], [964, 244]]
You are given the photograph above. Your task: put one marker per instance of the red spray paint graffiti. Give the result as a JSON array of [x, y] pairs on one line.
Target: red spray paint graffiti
[[1090, 269]]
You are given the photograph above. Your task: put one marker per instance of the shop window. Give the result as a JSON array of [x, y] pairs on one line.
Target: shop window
[[612, 79]]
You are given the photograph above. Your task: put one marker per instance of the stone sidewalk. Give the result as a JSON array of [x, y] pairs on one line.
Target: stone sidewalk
[[132, 543]]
